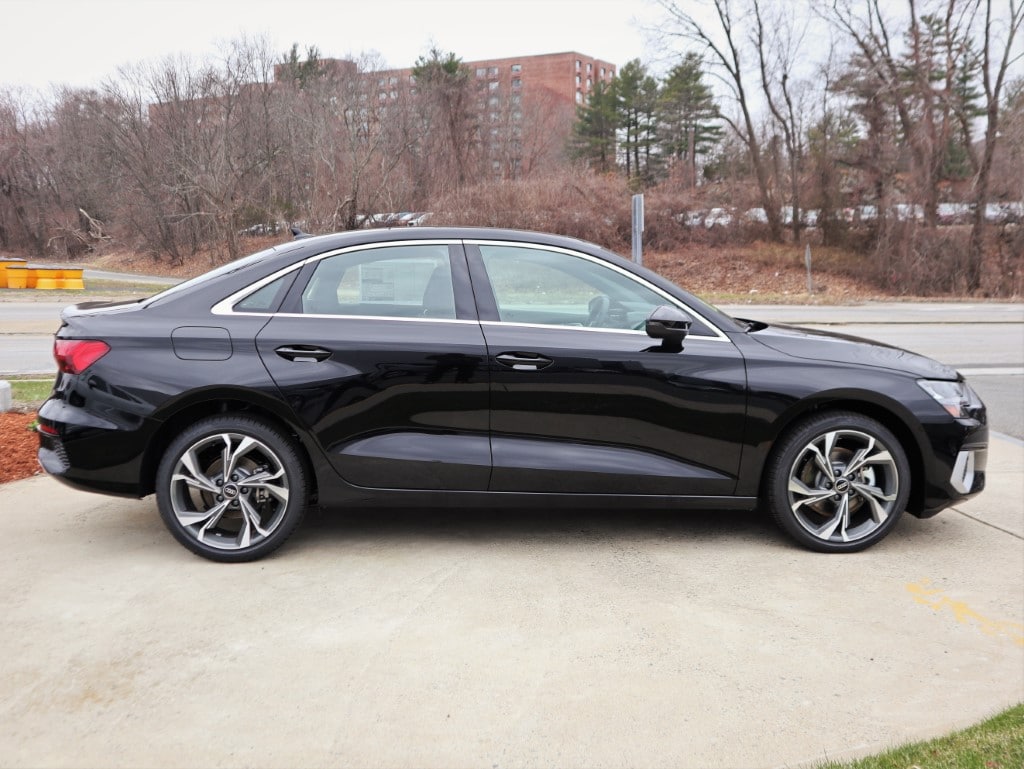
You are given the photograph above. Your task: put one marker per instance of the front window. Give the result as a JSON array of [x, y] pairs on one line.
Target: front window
[[551, 288]]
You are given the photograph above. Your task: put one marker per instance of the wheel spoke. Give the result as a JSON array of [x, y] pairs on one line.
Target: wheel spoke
[[196, 477], [261, 482], [232, 456], [796, 486], [821, 459], [210, 516], [872, 495], [841, 521], [251, 519], [858, 462]]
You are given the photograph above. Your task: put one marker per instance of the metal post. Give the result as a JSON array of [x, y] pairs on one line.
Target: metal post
[[807, 261], [638, 229]]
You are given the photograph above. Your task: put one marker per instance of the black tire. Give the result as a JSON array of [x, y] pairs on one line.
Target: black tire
[[848, 503], [225, 518]]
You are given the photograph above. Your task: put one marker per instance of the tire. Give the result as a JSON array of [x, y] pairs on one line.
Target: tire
[[849, 502], [244, 513]]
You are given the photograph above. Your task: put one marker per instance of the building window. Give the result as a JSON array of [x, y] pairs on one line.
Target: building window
[[602, 71], [493, 85], [517, 83], [590, 82], [492, 70], [579, 80], [517, 99], [579, 97], [517, 67], [590, 67], [481, 71], [578, 65], [494, 101], [392, 81], [394, 94], [412, 78]]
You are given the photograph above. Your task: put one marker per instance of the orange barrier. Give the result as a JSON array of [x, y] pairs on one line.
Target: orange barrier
[[15, 273], [71, 280], [6, 262], [45, 278], [17, 276]]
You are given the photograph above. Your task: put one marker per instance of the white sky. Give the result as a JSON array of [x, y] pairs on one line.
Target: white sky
[[81, 42]]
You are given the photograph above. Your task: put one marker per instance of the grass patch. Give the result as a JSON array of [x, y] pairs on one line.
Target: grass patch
[[997, 743], [30, 390]]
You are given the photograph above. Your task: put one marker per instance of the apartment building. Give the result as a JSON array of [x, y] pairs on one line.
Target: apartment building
[[568, 76]]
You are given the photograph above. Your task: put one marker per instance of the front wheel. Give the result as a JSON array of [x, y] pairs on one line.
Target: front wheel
[[838, 482], [231, 488]]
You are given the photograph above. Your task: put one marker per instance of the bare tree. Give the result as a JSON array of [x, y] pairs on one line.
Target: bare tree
[[997, 56], [723, 46]]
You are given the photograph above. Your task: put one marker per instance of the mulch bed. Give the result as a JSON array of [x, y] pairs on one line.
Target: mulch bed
[[18, 447]]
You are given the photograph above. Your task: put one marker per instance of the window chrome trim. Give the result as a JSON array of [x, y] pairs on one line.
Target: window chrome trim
[[593, 330], [224, 306], [719, 335], [404, 318]]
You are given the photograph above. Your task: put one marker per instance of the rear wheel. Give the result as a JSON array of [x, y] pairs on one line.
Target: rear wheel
[[231, 488], [838, 482]]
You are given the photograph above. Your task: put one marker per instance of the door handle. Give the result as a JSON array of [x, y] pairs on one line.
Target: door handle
[[303, 353], [523, 361]]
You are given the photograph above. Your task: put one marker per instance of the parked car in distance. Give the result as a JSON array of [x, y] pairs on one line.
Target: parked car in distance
[[491, 368]]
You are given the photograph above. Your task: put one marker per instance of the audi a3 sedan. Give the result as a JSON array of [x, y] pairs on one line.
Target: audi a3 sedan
[[489, 368]]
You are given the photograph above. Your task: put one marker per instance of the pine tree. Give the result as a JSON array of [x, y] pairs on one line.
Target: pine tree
[[687, 116], [593, 139]]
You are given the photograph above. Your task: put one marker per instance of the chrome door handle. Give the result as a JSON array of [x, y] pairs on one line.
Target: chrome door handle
[[523, 361], [303, 353]]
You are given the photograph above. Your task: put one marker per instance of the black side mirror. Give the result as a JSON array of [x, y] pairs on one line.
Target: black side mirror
[[670, 325]]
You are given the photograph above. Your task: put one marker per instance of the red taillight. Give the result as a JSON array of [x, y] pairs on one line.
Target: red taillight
[[74, 356]]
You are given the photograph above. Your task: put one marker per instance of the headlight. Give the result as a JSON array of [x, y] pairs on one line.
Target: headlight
[[955, 397]]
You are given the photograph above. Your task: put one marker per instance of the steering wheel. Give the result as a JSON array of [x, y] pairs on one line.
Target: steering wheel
[[598, 308]]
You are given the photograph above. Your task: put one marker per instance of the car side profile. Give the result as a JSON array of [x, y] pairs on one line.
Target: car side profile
[[480, 367]]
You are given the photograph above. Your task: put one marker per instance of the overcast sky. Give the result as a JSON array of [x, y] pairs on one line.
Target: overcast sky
[[80, 42]]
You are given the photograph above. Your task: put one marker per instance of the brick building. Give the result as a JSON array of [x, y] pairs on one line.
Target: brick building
[[568, 76]]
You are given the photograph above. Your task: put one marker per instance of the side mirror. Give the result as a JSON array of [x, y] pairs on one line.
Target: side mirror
[[670, 325]]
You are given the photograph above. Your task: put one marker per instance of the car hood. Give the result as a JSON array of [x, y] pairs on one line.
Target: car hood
[[824, 345]]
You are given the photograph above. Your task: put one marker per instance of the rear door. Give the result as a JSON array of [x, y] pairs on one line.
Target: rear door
[[379, 353]]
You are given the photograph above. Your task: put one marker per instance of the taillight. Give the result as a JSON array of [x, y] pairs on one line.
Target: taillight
[[74, 356]]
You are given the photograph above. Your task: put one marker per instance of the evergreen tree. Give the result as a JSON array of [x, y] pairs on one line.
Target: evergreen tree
[[687, 116], [636, 99], [593, 138]]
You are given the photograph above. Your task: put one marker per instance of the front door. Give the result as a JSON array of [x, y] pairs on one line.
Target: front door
[[582, 400]]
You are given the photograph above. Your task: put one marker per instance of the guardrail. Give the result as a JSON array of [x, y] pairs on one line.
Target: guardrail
[[16, 273]]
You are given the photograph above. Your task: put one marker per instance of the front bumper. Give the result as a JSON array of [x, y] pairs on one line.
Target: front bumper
[[955, 471]]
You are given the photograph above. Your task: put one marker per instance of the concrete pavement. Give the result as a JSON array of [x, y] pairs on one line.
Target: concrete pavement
[[462, 638]]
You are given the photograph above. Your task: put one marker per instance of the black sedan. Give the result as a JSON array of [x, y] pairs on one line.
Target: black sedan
[[478, 367]]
